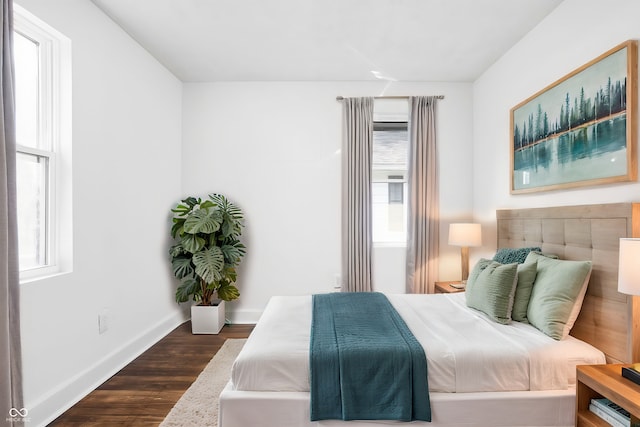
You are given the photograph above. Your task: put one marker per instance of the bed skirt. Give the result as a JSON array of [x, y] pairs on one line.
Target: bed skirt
[[490, 409]]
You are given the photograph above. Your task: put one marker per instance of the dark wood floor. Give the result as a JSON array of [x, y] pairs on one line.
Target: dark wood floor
[[144, 392]]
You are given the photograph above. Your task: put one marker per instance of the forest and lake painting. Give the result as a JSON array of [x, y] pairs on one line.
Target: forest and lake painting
[[574, 131]]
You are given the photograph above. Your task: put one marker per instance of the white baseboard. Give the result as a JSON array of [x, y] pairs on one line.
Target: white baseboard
[[48, 408], [244, 317]]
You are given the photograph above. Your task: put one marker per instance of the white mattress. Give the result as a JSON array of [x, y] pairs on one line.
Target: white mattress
[[466, 351]]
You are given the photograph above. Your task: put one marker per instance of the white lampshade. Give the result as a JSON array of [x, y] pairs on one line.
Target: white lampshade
[[629, 266], [465, 234]]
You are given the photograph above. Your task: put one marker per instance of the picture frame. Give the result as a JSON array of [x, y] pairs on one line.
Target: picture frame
[[581, 130]]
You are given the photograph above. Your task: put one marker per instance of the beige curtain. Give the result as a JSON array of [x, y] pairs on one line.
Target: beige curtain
[[11, 406], [423, 204], [357, 149]]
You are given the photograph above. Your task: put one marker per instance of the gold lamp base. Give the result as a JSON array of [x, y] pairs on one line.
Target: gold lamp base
[[464, 263]]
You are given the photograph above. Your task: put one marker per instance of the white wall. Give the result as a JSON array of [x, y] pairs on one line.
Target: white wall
[[274, 149], [574, 34], [126, 177]]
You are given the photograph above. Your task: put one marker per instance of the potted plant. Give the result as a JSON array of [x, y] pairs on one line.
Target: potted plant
[[205, 255]]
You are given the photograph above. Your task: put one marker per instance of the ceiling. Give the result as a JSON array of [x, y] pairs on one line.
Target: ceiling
[[327, 40]]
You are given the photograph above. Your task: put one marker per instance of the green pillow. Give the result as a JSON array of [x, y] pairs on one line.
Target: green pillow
[[509, 255], [547, 254], [490, 289], [526, 276], [557, 294]]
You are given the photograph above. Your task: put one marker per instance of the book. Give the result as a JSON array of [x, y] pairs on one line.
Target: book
[[606, 416], [631, 374], [613, 410]]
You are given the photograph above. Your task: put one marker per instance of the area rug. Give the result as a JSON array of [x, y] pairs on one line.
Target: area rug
[[198, 406]]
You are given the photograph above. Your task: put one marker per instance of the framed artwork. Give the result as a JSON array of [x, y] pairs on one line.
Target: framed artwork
[[580, 130]]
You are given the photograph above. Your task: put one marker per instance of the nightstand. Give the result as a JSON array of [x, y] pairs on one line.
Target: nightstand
[[595, 381], [446, 288]]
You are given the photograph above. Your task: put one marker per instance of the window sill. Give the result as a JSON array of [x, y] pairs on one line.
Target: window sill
[[389, 245], [43, 275]]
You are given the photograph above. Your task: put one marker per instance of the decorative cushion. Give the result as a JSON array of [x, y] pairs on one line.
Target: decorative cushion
[[490, 289], [557, 294], [509, 255], [548, 255], [526, 275]]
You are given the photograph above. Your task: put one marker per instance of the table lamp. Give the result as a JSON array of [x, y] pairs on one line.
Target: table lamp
[[465, 235], [629, 283]]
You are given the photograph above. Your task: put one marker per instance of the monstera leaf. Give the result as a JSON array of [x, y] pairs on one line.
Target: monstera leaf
[[209, 264], [228, 292], [203, 221], [233, 253], [187, 288], [232, 216], [182, 267], [192, 243], [176, 229], [176, 250], [186, 206]]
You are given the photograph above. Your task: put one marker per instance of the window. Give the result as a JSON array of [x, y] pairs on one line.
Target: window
[[396, 190], [389, 182], [42, 82]]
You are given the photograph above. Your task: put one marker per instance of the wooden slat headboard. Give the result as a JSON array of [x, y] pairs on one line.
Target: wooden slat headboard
[[587, 232]]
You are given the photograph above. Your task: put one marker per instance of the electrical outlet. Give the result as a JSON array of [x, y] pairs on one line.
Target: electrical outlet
[[337, 282], [103, 322]]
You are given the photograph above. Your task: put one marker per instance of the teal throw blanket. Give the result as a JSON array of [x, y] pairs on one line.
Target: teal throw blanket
[[365, 363]]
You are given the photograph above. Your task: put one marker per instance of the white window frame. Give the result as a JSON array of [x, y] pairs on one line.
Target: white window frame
[[54, 127]]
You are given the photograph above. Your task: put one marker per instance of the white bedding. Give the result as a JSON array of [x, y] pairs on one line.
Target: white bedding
[[466, 351]]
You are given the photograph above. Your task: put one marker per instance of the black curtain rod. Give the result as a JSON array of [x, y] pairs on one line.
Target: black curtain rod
[[340, 98]]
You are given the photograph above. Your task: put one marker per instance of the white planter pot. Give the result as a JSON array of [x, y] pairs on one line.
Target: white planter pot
[[207, 319]]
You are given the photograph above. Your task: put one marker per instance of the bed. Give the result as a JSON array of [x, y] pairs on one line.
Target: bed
[[270, 380]]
